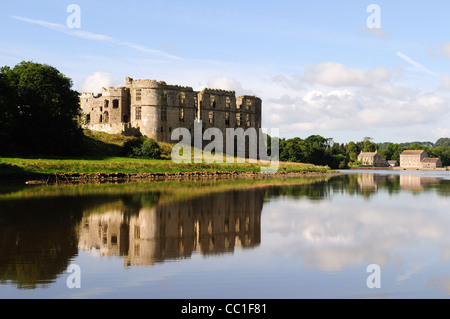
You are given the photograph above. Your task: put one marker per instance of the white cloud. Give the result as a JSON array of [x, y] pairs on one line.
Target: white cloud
[[334, 74], [414, 63], [347, 109], [95, 82], [442, 51], [445, 81], [337, 74], [96, 37], [331, 96], [439, 132]]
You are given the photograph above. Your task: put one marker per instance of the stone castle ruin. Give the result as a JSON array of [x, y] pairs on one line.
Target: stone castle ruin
[[154, 109]]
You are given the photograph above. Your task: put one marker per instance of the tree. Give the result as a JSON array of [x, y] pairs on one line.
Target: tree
[[8, 113], [392, 152], [367, 145], [352, 151], [445, 141], [43, 111]]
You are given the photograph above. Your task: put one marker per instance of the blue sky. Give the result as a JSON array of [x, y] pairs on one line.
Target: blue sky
[[317, 66]]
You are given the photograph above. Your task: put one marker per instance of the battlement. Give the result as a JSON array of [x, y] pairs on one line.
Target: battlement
[[153, 84], [218, 92], [112, 91], [249, 97]]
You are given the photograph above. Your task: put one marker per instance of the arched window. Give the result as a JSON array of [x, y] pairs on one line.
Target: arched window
[[105, 117]]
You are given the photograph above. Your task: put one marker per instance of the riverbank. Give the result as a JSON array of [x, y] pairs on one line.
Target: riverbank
[[397, 168], [44, 171]]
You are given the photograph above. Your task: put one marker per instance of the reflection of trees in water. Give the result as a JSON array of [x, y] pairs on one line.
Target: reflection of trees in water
[[362, 184], [38, 239], [314, 191], [367, 184]]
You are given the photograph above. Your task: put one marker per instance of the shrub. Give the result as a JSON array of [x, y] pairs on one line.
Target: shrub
[[132, 148], [141, 147], [150, 149]]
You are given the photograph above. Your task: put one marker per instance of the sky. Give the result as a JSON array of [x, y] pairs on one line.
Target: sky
[[340, 69]]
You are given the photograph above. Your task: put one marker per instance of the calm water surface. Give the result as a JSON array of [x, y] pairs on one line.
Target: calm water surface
[[286, 238]]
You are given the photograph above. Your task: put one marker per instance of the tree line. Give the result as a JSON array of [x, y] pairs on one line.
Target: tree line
[[319, 150]]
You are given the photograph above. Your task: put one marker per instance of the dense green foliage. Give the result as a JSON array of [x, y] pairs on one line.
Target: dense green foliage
[[38, 111], [141, 147]]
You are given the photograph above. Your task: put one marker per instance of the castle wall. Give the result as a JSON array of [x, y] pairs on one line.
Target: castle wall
[[154, 109], [107, 111]]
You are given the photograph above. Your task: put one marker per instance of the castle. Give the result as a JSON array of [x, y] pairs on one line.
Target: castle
[[154, 109]]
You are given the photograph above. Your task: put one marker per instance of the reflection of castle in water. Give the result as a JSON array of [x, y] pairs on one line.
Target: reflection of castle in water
[[213, 224], [416, 183], [373, 182], [368, 181]]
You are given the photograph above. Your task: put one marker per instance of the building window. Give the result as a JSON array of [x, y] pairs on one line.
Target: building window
[[88, 118], [106, 103], [138, 94], [238, 119], [138, 114], [163, 114], [247, 120], [115, 104], [248, 104], [227, 102], [137, 232], [181, 114], [106, 117], [114, 240], [126, 119], [137, 250], [182, 98], [238, 106], [211, 117], [227, 119], [212, 102], [163, 98]]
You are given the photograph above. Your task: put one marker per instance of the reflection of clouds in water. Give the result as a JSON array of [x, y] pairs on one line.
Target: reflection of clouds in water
[[331, 235], [439, 283], [411, 272]]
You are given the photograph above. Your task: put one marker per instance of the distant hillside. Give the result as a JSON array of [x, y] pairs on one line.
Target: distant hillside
[[442, 142], [425, 144], [383, 146]]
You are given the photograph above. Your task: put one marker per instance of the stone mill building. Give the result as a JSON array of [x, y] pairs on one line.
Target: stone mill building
[[154, 109]]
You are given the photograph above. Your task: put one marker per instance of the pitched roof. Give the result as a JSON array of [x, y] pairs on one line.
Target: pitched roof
[[429, 160], [412, 152], [365, 154]]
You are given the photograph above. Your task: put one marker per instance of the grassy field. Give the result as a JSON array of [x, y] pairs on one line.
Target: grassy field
[[103, 155], [10, 166]]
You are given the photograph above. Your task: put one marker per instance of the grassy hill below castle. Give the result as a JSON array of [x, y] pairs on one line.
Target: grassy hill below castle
[[102, 155]]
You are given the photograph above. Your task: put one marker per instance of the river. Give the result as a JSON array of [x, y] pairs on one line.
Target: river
[[363, 234]]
